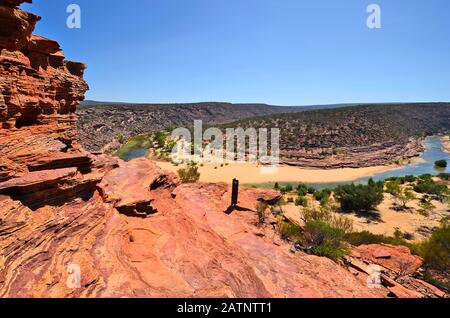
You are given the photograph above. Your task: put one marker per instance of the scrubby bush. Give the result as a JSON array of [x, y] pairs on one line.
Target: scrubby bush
[[436, 251], [359, 197], [324, 240], [301, 201], [289, 230], [444, 176], [261, 208], [302, 189], [287, 188], [410, 178], [366, 237], [160, 139], [189, 174], [325, 215], [323, 196], [426, 208], [428, 186], [441, 163]]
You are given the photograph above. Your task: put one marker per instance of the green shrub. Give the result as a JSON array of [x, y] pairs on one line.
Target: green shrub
[[189, 174], [359, 197], [302, 189], [311, 190], [261, 208], [289, 230], [425, 207], [325, 215], [160, 139], [287, 188], [441, 163], [365, 237], [324, 240], [444, 176], [276, 186], [320, 195], [301, 201], [410, 178], [426, 177], [436, 251], [428, 186]]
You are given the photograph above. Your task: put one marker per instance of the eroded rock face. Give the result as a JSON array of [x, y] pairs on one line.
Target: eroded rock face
[[39, 93], [188, 248]]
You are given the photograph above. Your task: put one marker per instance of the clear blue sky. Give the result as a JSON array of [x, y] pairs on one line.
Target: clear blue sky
[[284, 52]]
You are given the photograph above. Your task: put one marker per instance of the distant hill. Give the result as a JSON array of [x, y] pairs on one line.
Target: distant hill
[[356, 136], [102, 122]]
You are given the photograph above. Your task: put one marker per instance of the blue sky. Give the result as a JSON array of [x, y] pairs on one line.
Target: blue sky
[[283, 52]]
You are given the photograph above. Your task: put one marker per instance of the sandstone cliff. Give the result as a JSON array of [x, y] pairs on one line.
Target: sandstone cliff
[[130, 228]]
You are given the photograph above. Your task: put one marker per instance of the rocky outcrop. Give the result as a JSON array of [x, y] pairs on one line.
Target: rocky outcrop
[[187, 248], [399, 270], [39, 93]]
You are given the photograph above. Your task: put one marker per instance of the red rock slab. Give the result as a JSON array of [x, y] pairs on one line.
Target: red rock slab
[[38, 177], [130, 186], [398, 259]]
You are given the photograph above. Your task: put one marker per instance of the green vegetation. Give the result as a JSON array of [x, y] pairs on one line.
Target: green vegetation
[[323, 196], [436, 251], [323, 233], [261, 211], [441, 163], [402, 195], [189, 174], [301, 201], [365, 237], [289, 230], [426, 185], [324, 240], [157, 141], [360, 197], [425, 208], [287, 188]]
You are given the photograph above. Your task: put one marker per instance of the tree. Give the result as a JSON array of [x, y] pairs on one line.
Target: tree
[[276, 186], [359, 197], [405, 196], [189, 174], [441, 163], [160, 138]]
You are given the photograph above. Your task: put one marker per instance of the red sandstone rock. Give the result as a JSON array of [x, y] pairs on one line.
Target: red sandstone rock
[[400, 260]]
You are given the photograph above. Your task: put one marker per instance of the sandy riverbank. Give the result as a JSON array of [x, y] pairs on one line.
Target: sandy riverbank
[[248, 173], [385, 220], [446, 143]]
